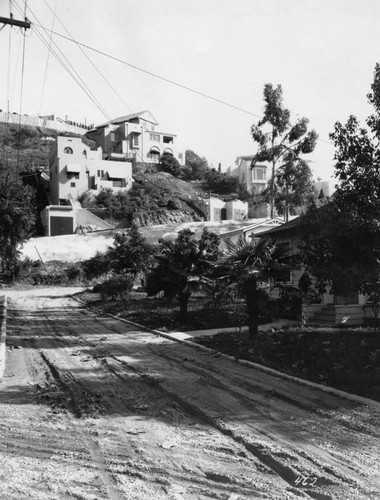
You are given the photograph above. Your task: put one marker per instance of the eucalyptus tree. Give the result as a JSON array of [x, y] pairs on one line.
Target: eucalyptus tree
[[278, 139]]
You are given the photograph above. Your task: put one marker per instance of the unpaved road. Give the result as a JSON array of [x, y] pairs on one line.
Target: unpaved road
[[92, 408]]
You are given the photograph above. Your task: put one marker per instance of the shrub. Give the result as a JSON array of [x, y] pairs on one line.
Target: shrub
[[115, 287], [96, 266]]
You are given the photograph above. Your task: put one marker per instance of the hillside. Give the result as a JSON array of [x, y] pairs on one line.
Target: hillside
[[156, 197], [26, 146]]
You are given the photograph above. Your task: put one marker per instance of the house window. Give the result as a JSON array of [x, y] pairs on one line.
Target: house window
[[98, 173], [71, 175], [180, 156], [113, 137], [167, 139], [259, 174], [117, 183], [68, 151], [155, 137], [72, 184], [135, 141]]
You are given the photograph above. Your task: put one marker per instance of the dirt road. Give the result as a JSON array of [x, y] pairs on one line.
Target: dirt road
[[92, 408]]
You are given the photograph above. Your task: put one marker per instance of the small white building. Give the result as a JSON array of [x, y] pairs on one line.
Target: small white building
[[70, 218], [75, 169], [217, 209]]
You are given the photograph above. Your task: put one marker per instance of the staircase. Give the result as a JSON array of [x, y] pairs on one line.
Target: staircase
[[333, 314], [325, 317]]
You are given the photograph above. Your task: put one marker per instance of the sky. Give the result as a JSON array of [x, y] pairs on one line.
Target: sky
[[322, 52]]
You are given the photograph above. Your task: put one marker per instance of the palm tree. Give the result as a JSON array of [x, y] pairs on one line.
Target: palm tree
[[245, 269], [182, 266]]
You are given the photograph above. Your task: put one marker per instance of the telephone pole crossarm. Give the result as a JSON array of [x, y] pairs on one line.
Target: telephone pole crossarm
[[14, 22]]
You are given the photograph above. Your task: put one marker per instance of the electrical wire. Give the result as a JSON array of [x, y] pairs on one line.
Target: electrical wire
[[150, 73], [15, 73], [63, 60], [90, 61], [21, 96], [67, 68], [5, 150], [167, 80], [47, 60]]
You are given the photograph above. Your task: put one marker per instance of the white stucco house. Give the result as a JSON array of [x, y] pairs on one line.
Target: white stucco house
[[136, 136], [75, 168]]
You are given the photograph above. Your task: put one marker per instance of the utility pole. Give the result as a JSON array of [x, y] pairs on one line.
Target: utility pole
[[14, 22]]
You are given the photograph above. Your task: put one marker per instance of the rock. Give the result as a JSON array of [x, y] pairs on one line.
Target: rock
[[167, 445]]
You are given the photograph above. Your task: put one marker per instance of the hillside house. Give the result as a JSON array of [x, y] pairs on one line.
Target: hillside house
[[75, 169], [135, 137], [254, 176]]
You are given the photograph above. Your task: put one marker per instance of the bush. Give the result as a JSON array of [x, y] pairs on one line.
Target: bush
[[115, 287], [96, 266]]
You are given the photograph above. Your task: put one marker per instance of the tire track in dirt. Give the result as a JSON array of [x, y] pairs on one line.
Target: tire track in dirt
[[230, 405], [59, 374], [309, 454]]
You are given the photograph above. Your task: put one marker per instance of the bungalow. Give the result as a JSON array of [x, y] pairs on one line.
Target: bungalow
[[349, 309]]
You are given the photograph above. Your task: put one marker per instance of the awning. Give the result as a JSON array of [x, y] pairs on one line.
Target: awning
[[155, 149], [118, 171], [74, 169], [169, 151]]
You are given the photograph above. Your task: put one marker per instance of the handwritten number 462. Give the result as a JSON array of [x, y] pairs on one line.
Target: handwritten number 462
[[305, 481]]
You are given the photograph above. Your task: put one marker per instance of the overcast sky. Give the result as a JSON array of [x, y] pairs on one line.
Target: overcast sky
[[322, 52]]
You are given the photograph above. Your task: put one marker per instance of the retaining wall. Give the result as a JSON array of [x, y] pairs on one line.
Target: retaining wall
[[39, 121]]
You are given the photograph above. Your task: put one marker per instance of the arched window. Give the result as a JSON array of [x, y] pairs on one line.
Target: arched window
[[68, 151]]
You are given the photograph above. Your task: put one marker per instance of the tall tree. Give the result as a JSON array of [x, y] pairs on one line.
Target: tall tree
[[294, 187], [196, 165], [17, 216], [341, 239], [278, 140]]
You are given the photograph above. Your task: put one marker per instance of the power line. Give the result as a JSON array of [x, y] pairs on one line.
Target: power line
[[150, 73], [167, 80], [67, 65], [88, 58], [47, 60], [21, 95]]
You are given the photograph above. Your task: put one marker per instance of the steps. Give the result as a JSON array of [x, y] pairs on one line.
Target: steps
[[332, 314]]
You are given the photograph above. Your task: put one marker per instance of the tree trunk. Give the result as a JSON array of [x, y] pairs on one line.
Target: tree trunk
[[272, 180], [183, 299], [251, 295], [286, 216]]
